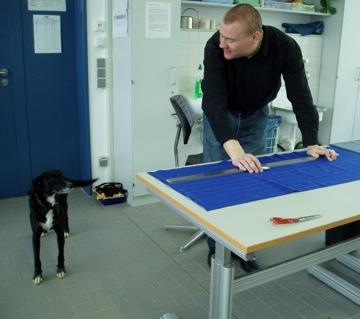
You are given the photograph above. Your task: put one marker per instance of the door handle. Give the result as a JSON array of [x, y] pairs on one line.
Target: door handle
[[172, 76], [4, 72], [172, 80], [4, 82], [357, 73]]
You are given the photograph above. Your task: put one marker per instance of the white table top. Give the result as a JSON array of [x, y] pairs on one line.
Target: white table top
[[247, 228]]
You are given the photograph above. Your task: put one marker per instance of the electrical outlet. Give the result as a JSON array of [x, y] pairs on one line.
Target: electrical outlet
[[103, 161], [100, 26]]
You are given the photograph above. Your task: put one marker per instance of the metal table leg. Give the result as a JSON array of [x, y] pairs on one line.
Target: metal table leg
[[222, 277]]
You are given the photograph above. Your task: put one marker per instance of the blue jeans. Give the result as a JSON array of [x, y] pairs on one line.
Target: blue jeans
[[249, 130]]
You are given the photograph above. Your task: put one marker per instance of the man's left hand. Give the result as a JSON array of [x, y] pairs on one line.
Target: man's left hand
[[317, 151]]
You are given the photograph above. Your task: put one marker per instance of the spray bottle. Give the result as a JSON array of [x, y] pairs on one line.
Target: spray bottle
[[198, 79]]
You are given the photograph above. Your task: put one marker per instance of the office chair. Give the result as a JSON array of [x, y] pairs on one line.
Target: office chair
[[185, 122]]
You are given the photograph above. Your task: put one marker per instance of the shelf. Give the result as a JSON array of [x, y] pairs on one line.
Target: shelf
[[293, 11], [265, 9], [199, 30], [207, 4]]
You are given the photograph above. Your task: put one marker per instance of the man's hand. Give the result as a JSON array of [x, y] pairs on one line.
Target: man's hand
[[247, 162], [316, 151], [244, 161]]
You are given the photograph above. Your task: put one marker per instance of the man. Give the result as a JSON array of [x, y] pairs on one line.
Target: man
[[243, 64]]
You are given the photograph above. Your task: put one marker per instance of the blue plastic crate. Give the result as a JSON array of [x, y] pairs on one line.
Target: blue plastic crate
[[112, 201], [271, 133], [110, 195]]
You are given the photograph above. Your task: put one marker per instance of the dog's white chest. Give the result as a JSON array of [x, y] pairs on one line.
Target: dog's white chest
[[49, 215], [49, 220]]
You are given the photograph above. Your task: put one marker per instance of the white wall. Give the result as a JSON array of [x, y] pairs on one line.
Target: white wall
[[329, 67], [99, 99], [122, 111], [347, 78]]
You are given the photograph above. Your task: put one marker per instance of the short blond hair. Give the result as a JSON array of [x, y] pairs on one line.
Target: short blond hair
[[245, 14]]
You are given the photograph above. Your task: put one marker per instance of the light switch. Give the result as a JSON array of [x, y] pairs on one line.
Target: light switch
[[103, 161], [101, 73], [100, 26], [101, 83], [100, 42], [100, 63]]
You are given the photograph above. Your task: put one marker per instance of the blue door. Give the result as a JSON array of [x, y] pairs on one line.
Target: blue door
[[44, 120]]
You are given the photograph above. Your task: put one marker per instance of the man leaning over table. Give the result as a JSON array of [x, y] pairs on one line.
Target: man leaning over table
[[243, 64]]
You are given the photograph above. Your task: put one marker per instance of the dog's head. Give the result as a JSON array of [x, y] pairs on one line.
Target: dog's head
[[51, 182]]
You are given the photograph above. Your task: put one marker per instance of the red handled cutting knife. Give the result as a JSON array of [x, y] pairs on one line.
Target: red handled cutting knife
[[291, 220]]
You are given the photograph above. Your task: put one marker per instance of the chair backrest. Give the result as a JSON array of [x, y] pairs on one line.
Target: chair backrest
[[185, 115]]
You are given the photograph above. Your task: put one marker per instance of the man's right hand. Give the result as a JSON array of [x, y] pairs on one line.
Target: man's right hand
[[247, 162], [244, 161]]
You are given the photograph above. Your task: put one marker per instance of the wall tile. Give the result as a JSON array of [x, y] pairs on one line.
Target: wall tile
[[184, 36], [194, 36], [182, 60]]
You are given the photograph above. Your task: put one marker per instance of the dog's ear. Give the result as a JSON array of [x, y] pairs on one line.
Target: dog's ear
[[36, 185], [54, 172]]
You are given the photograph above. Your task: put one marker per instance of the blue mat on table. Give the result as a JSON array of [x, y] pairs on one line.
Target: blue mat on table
[[222, 191]]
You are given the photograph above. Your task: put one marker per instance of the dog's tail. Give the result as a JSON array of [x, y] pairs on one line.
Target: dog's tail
[[80, 183]]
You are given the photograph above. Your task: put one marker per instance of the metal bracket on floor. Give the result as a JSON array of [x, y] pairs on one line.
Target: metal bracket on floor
[[292, 266], [350, 261], [337, 283]]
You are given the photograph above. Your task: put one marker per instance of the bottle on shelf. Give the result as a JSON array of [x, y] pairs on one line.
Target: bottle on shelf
[[198, 79]]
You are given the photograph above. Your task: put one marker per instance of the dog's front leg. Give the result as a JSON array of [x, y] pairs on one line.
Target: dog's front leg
[[37, 278], [60, 271], [63, 209]]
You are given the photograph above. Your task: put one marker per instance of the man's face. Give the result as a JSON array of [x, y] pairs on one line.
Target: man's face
[[235, 42]]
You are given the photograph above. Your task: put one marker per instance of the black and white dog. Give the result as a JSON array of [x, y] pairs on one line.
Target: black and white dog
[[48, 210]]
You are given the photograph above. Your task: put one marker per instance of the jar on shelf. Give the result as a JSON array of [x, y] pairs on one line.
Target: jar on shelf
[[189, 21]]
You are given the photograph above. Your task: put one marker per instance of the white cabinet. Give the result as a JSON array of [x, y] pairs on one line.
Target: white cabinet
[[311, 48], [143, 128], [356, 123], [153, 77], [346, 113]]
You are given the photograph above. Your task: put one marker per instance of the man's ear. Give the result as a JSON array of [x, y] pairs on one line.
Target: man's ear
[[256, 35]]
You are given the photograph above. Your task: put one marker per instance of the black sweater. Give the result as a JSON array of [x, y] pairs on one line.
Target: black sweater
[[244, 85]]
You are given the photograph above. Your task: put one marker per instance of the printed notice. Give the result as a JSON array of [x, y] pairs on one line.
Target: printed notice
[[120, 24], [120, 18], [157, 19], [47, 34], [47, 5]]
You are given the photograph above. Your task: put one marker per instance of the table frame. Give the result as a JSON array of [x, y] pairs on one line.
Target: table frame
[[223, 284]]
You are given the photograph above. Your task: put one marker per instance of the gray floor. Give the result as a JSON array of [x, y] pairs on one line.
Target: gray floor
[[122, 265]]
